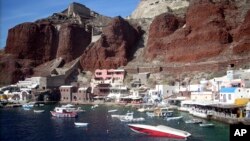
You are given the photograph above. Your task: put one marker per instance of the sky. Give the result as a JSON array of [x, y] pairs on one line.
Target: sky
[[14, 12]]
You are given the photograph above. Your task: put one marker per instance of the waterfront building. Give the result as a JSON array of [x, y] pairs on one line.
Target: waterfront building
[[234, 95], [66, 93], [109, 75], [118, 91], [75, 94], [248, 110], [101, 91], [83, 94], [202, 96]]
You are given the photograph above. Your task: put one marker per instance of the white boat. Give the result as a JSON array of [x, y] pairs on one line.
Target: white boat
[[112, 111], [159, 131], [61, 112], [194, 121], [67, 106], [173, 118], [39, 111], [150, 114], [129, 117], [94, 106], [206, 125], [81, 124], [28, 105], [163, 112]]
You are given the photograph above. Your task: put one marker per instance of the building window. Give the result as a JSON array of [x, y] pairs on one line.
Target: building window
[[98, 73], [167, 91], [63, 97], [239, 90], [229, 97], [79, 91]]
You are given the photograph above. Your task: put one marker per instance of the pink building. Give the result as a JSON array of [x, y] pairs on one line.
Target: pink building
[[110, 74]]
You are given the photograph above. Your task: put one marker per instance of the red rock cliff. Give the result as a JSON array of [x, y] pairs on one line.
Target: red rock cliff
[[207, 33], [73, 40], [32, 41], [113, 49]]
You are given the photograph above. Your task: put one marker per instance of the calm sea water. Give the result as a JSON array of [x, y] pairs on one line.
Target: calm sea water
[[17, 124]]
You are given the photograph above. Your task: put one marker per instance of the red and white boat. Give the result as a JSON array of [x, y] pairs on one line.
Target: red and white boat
[[159, 131], [61, 112]]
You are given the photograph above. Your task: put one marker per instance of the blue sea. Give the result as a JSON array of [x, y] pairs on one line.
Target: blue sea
[[17, 124]]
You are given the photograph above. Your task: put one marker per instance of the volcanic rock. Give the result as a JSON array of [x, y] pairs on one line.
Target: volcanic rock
[[32, 41], [206, 34], [73, 39], [152, 8], [113, 49]]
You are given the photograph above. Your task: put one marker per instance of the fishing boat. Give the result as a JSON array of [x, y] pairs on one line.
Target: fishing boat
[[69, 108], [174, 118], [193, 121], [112, 111], [159, 131], [206, 125], [39, 111], [61, 112], [81, 124]]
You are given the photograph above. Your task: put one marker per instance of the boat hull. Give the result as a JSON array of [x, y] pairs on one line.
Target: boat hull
[[67, 114], [80, 124], [154, 131]]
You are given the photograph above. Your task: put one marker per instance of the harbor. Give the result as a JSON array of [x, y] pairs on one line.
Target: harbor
[[101, 126]]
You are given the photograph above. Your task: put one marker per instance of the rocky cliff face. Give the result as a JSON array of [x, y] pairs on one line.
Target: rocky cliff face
[[114, 49], [32, 41], [152, 8], [73, 39], [210, 32]]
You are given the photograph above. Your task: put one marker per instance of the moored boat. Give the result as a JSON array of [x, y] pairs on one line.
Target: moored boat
[[112, 111], [206, 125], [159, 131], [194, 121], [174, 118], [81, 124], [61, 112], [129, 117], [28, 105], [39, 111], [94, 106]]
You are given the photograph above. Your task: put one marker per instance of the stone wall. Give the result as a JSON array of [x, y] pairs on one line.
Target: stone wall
[[198, 67]]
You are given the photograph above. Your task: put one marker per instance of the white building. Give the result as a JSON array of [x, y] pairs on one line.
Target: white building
[[229, 95]]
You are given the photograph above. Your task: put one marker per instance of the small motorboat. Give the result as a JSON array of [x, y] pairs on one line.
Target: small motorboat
[[112, 111], [193, 121], [150, 114], [39, 111], [61, 112], [129, 117], [206, 125], [159, 131], [28, 105], [67, 106], [174, 118], [94, 106], [81, 124]]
